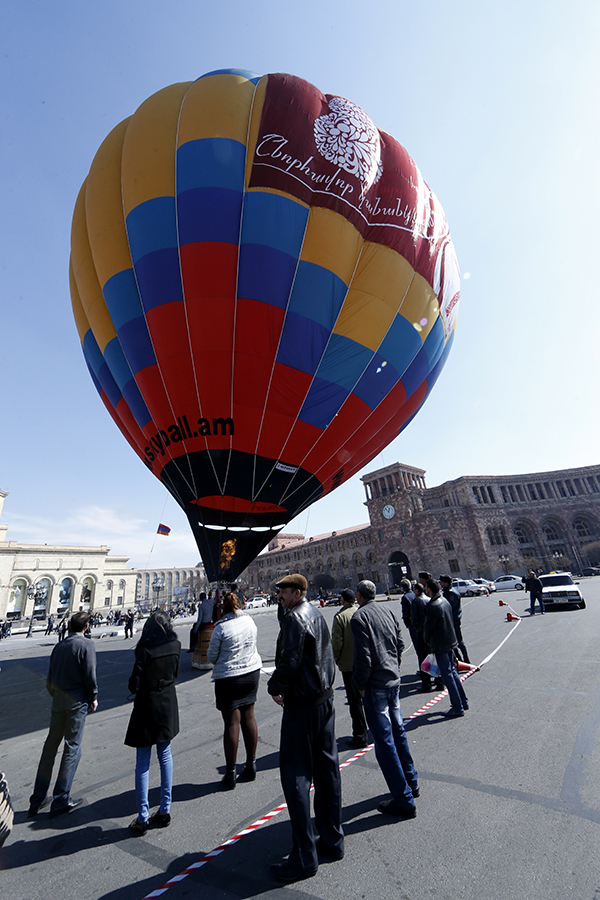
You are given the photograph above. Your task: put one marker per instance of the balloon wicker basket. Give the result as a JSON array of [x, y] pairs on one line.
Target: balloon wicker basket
[[199, 658]]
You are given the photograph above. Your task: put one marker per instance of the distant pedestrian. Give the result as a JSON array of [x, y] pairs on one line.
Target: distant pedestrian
[[535, 588], [50, 625], [129, 620]]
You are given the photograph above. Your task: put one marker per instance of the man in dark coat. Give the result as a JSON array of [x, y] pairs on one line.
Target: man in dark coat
[[129, 620], [72, 685], [453, 598], [438, 632], [535, 588], [302, 684]]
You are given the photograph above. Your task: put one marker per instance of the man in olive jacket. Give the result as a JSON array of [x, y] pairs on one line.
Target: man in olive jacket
[[343, 653], [72, 685], [302, 684]]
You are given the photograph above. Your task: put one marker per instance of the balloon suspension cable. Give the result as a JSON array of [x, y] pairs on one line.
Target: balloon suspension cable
[[147, 566]]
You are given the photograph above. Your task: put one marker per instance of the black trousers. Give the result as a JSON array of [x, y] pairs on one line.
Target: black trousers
[[308, 754], [359, 723]]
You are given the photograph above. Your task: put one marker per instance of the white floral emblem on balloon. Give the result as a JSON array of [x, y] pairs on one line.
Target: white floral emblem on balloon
[[348, 138]]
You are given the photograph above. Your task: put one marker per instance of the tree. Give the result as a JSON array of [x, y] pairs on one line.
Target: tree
[[195, 585], [533, 562], [592, 551]]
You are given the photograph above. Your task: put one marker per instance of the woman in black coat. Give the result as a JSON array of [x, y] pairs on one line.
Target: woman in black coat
[[155, 716]]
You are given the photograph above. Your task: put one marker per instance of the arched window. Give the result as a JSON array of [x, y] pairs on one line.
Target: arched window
[[522, 535], [65, 594], [496, 535], [16, 601], [86, 593], [344, 562], [331, 563], [583, 529], [551, 532]]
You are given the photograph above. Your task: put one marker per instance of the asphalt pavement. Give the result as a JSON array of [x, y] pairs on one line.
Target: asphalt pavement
[[510, 795]]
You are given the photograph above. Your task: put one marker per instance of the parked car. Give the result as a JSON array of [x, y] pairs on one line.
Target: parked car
[[559, 588], [509, 583], [590, 570], [467, 588], [483, 582], [256, 602]]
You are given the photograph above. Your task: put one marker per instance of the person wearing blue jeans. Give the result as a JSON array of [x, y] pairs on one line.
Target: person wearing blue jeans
[[73, 687], [155, 716], [142, 772], [384, 718], [440, 637], [378, 647]]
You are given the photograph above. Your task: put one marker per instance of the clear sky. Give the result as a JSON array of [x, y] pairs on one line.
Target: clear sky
[[497, 104]]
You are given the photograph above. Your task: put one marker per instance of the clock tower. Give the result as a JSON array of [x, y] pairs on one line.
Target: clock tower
[[394, 495]]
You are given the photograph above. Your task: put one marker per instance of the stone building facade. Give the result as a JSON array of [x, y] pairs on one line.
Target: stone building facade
[[163, 587], [472, 526], [337, 559], [45, 579]]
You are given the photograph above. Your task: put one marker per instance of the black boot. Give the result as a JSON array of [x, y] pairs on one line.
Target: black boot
[[249, 772], [229, 779]]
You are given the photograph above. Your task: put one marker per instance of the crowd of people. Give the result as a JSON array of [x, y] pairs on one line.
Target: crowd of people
[[366, 645]]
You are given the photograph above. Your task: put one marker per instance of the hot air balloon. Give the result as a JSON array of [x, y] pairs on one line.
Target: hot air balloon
[[266, 291]]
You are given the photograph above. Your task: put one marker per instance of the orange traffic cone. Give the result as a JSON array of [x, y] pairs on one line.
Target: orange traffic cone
[[462, 666], [502, 603], [511, 618]]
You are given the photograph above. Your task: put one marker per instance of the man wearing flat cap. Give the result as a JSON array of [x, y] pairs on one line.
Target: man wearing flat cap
[[378, 648], [302, 684]]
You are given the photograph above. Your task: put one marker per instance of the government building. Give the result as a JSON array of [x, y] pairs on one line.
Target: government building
[[472, 526], [44, 579]]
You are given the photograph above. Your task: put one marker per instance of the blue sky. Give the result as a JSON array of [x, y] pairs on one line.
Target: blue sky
[[498, 107]]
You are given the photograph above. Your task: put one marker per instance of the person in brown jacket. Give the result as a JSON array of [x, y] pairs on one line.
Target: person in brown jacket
[[343, 653]]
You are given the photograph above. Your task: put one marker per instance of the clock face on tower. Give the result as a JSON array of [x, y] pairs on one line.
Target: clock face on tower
[[388, 511]]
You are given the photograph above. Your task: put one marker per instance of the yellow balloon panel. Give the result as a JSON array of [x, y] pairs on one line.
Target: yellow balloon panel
[[148, 164], [104, 207]]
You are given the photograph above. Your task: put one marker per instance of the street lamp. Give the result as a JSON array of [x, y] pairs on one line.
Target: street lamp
[[34, 593], [157, 587], [504, 561]]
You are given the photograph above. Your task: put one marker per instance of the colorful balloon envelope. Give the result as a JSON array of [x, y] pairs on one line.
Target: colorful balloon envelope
[[266, 291]]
